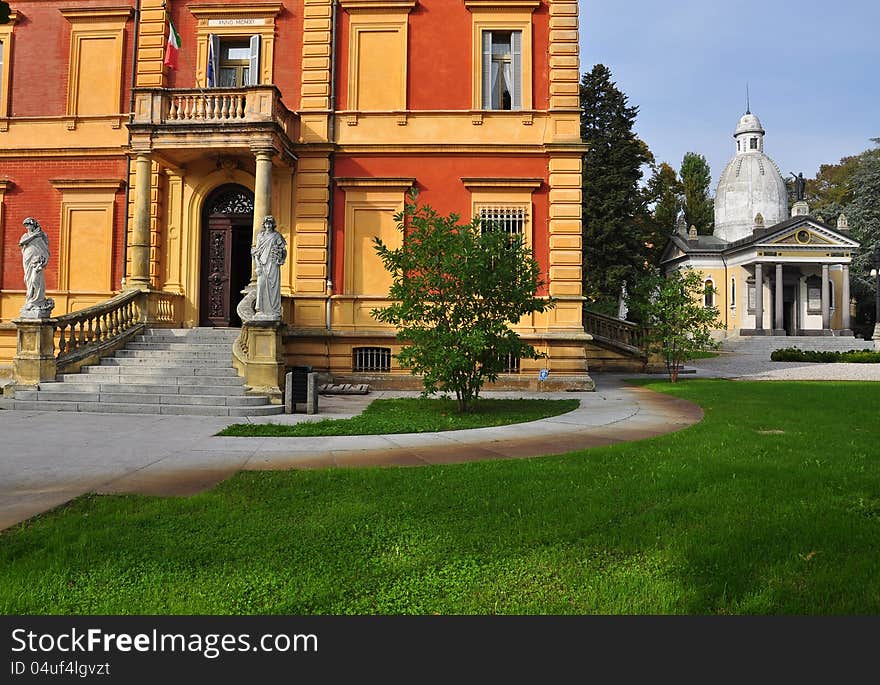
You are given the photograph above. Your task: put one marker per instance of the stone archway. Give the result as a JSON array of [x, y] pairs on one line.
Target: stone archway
[[225, 264]]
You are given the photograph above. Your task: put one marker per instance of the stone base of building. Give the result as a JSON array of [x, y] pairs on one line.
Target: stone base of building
[[369, 357]]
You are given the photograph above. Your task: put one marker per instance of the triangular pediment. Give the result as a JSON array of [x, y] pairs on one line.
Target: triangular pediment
[[808, 233]]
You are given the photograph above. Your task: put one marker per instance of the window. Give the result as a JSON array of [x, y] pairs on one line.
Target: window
[[738, 146], [814, 295], [510, 220], [709, 294], [750, 284], [502, 70], [222, 32], [511, 364], [233, 62], [733, 293], [371, 359], [753, 144]]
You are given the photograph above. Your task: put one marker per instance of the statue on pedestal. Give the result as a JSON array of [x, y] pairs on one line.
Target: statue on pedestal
[[34, 246], [269, 255], [800, 186]]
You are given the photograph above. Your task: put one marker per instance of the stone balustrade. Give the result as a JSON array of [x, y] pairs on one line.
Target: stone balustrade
[[610, 329], [66, 343]]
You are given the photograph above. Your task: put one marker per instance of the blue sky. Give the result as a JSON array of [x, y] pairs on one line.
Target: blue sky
[[813, 68]]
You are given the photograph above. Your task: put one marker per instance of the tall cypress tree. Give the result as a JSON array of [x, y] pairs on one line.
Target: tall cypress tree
[[613, 245], [699, 209]]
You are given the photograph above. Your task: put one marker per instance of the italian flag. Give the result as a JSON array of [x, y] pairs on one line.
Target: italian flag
[[173, 47]]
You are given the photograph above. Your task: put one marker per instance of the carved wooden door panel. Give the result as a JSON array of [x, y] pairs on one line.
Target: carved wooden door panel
[[216, 285]]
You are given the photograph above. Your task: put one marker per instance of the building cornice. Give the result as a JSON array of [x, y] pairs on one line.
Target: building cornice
[[501, 183], [502, 5], [74, 184], [215, 9], [373, 5], [96, 13], [401, 184]]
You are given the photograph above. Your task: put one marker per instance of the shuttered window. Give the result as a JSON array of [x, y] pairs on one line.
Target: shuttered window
[[502, 70]]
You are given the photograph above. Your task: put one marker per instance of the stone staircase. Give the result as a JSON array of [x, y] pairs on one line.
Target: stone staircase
[[165, 371], [765, 345]]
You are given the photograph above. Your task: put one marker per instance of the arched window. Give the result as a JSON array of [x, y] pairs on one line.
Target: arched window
[[733, 293], [709, 293]]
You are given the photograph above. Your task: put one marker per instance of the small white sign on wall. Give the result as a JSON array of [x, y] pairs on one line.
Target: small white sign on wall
[[236, 22]]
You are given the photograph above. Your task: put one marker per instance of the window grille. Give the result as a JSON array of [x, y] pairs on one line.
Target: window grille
[[511, 364], [372, 359], [510, 220]]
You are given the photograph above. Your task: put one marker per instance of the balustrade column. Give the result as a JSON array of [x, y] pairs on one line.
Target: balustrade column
[[826, 294], [262, 196], [139, 247]]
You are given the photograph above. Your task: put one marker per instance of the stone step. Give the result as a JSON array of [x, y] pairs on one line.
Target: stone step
[[125, 389], [173, 409], [142, 398], [195, 355], [180, 346], [158, 371], [210, 334], [149, 361]]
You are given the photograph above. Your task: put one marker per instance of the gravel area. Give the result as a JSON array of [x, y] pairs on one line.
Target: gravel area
[[759, 368]]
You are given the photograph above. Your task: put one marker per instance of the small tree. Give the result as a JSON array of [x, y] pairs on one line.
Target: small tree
[[676, 320], [456, 290]]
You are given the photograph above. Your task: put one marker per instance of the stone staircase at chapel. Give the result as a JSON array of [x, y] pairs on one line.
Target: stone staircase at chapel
[[164, 371]]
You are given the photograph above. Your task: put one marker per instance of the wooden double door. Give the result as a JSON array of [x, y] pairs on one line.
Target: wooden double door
[[227, 231]]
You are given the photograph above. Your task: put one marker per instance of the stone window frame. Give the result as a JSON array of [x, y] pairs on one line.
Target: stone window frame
[[208, 22], [510, 193], [712, 295], [6, 43], [502, 15]]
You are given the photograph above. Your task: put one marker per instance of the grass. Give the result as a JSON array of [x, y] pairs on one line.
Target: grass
[[413, 415], [771, 505]]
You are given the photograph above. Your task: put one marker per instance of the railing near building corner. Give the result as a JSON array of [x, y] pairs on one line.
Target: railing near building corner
[[99, 330], [617, 332]]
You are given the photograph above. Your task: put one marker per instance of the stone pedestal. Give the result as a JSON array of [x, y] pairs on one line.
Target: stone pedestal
[[34, 360], [262, 344]]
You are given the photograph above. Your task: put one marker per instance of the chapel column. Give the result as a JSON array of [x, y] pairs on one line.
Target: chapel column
[[759, 297], [778, 300], [139, 247], [262, 195], [826, 293], [845, 298]]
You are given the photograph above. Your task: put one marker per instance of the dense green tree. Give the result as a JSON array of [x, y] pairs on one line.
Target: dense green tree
[[457, 289], [677, 322], [863, 213], [662, 196], [613, 247], [698, 207]]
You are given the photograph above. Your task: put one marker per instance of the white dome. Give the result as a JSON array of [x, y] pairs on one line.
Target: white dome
[[750, 185]]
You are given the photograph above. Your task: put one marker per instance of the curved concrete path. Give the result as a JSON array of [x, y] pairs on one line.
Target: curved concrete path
[[49, 458]]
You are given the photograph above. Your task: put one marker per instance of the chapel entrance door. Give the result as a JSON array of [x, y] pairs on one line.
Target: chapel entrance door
[[789, 309], [227, 228]]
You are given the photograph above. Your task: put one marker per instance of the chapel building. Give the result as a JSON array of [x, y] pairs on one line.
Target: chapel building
[[768, 270]]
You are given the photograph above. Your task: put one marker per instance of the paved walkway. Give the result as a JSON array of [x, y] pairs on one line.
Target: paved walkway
[[754, 367], [48, 458]]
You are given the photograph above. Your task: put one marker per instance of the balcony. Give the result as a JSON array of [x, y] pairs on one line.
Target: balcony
[[179, 125]]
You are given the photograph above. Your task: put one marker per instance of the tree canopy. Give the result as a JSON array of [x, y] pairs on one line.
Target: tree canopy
[[698, 207], [614, 250]]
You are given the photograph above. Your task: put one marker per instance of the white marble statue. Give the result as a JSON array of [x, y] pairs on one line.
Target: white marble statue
[[269, 254], [34, 246]]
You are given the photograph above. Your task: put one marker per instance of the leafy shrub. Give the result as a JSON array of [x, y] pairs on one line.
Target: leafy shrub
[[793, 354]]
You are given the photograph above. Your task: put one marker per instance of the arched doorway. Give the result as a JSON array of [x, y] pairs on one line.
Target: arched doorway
[[227, 229]]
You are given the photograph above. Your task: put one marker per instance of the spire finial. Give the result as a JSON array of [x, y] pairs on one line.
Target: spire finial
[[748, 100]]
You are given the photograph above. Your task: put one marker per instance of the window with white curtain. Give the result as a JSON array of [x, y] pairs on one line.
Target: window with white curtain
[[502, 70]]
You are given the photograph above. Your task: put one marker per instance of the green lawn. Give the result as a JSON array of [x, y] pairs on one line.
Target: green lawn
[[770, 505], [414, 415]]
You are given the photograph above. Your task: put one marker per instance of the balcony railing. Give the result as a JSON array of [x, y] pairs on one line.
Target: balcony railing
[[211, 107]]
